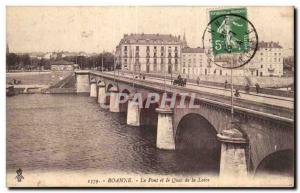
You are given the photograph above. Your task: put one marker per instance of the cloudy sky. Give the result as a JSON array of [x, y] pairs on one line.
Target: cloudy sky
[[93, 29]]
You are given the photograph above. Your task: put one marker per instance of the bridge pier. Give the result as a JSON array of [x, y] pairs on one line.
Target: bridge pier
[[101, 93], [93, 88], [233, 154], [165, 135], [114, 100], [82, 82], [133, 112]]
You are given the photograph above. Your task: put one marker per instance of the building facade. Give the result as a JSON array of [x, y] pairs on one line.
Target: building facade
[[268, 59], [193, 62], [150, 53]]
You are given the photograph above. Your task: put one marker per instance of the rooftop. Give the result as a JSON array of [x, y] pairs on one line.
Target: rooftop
[[150, 38], [271, 44]]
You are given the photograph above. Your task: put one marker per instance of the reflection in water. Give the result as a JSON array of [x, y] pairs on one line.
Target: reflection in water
[[69, 132]]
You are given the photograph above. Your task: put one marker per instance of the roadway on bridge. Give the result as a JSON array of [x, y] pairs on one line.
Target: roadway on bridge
[[285, 102]]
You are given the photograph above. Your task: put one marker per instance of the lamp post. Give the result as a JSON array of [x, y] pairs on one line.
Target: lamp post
[[102, 61], [114, 66]]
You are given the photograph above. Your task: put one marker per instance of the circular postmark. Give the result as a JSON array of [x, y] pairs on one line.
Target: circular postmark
[[230, 41]]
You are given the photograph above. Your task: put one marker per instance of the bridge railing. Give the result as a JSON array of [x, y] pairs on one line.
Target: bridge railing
[[241, 105]]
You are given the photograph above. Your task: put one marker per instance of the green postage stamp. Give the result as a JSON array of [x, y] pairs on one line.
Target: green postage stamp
[[229, 29]]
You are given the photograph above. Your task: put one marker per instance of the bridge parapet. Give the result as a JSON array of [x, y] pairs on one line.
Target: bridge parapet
[[246, 107]]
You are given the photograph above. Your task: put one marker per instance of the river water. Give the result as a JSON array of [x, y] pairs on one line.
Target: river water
[[70, 133]]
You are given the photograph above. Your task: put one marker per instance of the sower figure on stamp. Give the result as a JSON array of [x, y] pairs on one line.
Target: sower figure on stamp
[[225, 29]]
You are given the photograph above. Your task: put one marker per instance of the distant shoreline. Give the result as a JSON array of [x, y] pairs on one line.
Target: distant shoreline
[[26, 73]]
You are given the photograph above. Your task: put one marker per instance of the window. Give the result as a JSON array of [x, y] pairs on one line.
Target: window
[[278, 59], [261, 59], [137, 48], [261, 66], [125, 48], [176, 61], [275, 54], [148, 49], [154, 61], [162, 61], [154, 47], [148, 60], [275, 59], [261, 53], [162, 48], [169, 61]]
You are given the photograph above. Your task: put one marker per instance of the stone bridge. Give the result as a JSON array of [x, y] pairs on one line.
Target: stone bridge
[[261, 139]]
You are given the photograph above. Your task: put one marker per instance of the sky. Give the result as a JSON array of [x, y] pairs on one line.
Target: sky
[[94, 29]]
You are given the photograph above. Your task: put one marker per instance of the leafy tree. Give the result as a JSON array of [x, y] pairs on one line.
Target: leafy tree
[[12, 60]]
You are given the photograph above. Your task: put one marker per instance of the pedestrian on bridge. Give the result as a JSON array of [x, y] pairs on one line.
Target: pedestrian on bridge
[[257, 88], [247, 88], [198, 80], [237, 93], [225, 85]]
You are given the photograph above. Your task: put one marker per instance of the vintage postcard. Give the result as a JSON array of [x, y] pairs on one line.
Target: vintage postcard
[[141, 96]]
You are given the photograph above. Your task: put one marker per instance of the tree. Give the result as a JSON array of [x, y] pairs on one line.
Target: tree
[[12, 61]]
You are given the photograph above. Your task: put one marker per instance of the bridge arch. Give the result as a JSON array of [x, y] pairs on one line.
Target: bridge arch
[[197, 138], [277, 163]]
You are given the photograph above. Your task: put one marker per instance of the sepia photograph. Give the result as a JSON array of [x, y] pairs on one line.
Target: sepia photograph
[[150, 96]]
